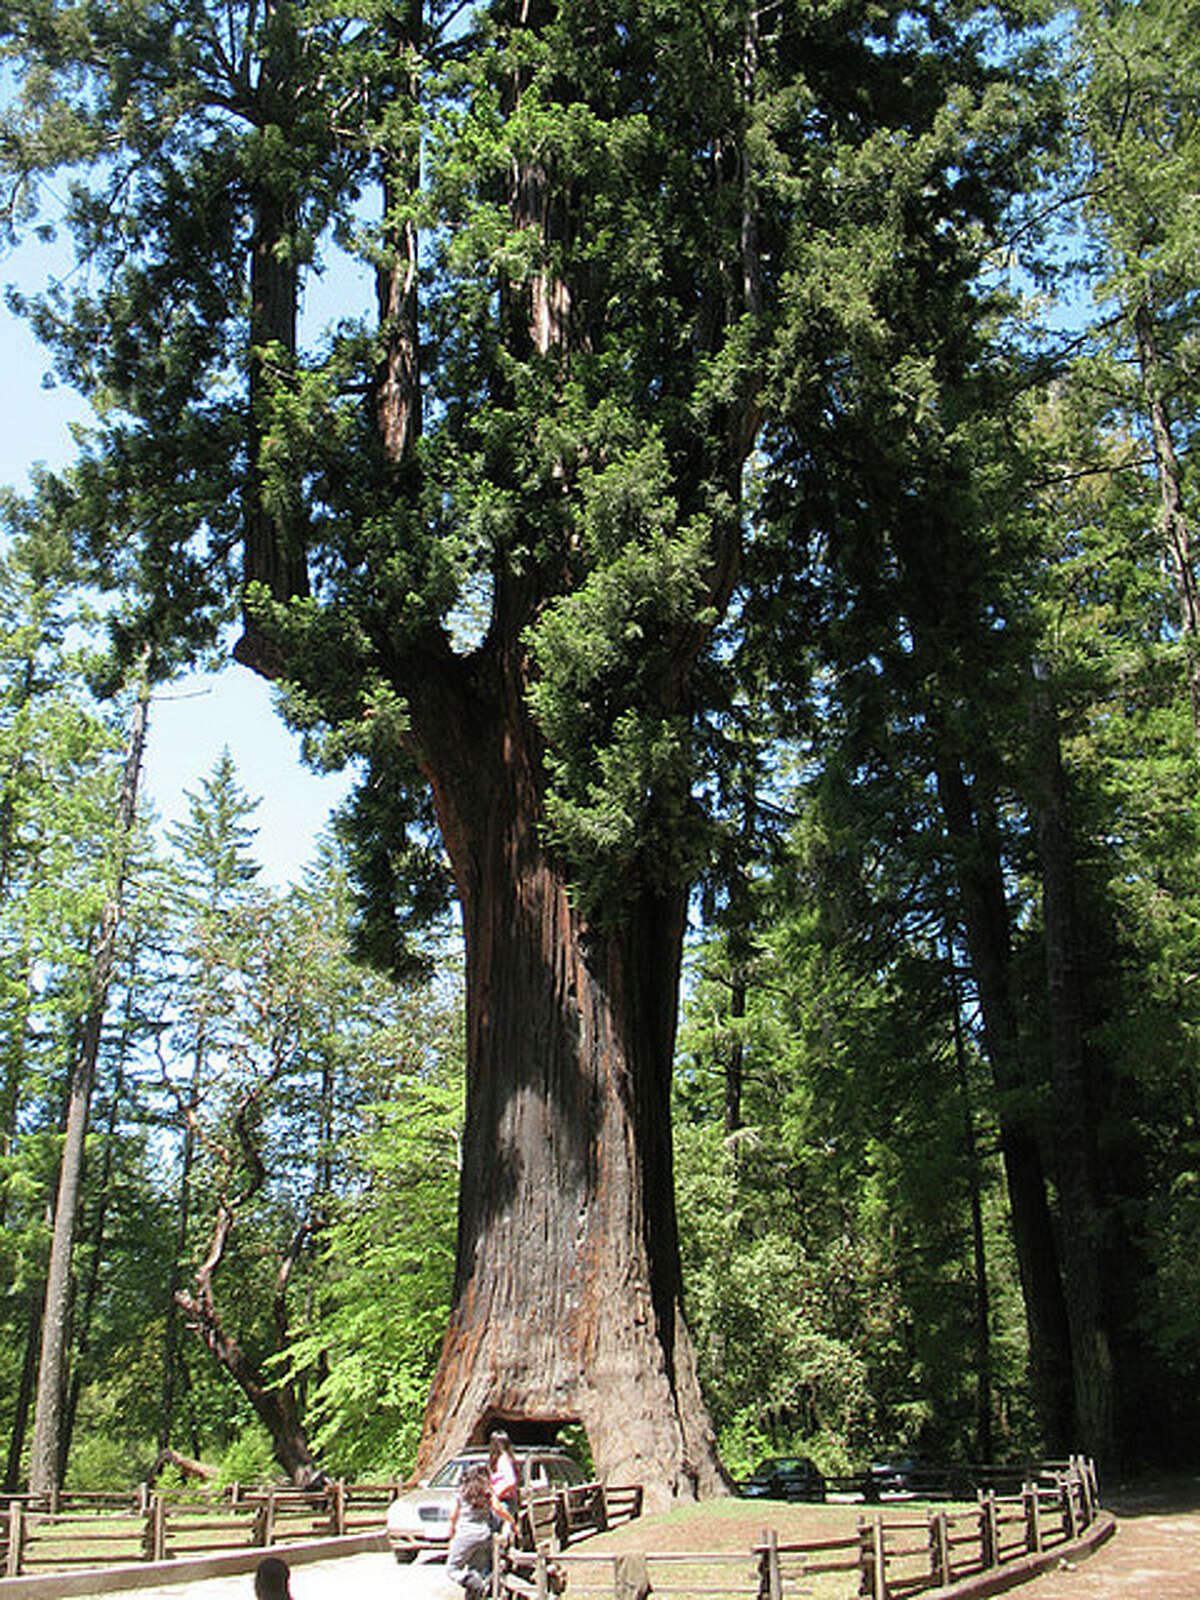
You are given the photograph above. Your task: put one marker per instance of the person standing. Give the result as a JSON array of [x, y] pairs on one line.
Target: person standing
[[503, 1474], [475, 1519]]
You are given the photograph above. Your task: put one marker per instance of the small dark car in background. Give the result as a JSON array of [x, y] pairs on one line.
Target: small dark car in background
[[785, 1478], [898, 1477]]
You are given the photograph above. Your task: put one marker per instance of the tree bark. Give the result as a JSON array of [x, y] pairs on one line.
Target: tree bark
[[985, 921], [983, 1315], [567, 1299], [1074, 1145], [48, 1411]]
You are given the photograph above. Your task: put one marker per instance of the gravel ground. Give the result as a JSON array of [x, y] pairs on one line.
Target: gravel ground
[[367, 1577]]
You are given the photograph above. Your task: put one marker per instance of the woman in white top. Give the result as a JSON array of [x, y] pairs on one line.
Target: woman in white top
[[504, 1474]]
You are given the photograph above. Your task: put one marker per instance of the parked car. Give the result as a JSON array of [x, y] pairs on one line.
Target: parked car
[[419, 1519], [900, 1476], [785, 1478]]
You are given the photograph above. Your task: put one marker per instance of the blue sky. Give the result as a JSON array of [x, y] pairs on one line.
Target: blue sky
[[191, 720]]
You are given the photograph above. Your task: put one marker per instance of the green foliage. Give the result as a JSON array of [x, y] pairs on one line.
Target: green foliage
[[751, 504], [388, 1253], [827, 1235], [247, 1458]]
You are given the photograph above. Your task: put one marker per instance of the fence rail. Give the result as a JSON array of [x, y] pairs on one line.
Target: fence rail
[[66, 1530], [52, 1533], [888, 1557]]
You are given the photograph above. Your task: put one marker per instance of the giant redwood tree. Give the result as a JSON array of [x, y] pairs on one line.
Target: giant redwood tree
[[486, 534]]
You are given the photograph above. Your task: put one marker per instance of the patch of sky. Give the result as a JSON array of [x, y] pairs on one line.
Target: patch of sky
[[195, 717]]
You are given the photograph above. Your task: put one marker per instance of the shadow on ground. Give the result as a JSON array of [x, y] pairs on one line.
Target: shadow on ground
[[1152, 1497]]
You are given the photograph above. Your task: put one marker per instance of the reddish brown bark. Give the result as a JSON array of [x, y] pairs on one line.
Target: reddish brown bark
[[567, 1303]]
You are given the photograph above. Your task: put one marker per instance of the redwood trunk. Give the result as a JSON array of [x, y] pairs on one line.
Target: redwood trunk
[[1076, 1162], [567, 1300], [985, 922]]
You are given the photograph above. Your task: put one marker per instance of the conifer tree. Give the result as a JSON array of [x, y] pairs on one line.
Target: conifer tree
[[486, 542]]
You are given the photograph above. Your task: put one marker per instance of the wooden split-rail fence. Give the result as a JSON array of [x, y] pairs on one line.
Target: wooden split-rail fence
[[888, 1556], [65, 1530]]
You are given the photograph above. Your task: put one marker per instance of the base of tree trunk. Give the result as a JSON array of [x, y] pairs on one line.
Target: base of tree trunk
[[643, 1414]]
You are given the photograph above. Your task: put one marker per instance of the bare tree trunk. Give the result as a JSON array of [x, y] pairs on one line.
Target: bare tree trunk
[[48, 1411], [985, 920], [983, 1315], [171, 1352], [1074, 1140], [274, 1403], [103, 1188], [567, 1300]]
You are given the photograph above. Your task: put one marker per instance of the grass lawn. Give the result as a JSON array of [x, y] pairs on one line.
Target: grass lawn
[[735, 1527]]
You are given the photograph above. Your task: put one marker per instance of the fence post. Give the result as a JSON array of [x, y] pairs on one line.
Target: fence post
[[16, 1540], [1067, 1501], [264, 1519], [881, 1583], [1087, 1503], [939, 1548], [872, 1559], [1033, 1525], [339, 1507], [988, 1553], [770, 1579]]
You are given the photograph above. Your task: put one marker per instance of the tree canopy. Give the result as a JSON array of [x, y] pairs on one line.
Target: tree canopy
[[742, 506]]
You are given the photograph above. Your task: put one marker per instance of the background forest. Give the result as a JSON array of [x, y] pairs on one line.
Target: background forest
[[937, 1136]]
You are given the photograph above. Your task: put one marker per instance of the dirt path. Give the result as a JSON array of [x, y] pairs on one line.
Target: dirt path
[[1154, 1554]]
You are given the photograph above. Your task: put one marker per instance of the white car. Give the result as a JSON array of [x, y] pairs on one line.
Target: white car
[[420, 1518]]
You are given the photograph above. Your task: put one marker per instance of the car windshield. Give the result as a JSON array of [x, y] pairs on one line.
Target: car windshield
[[450, 1476], [534, 1471]]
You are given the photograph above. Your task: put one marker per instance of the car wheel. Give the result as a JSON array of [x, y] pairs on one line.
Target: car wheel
[[404, 1554]]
